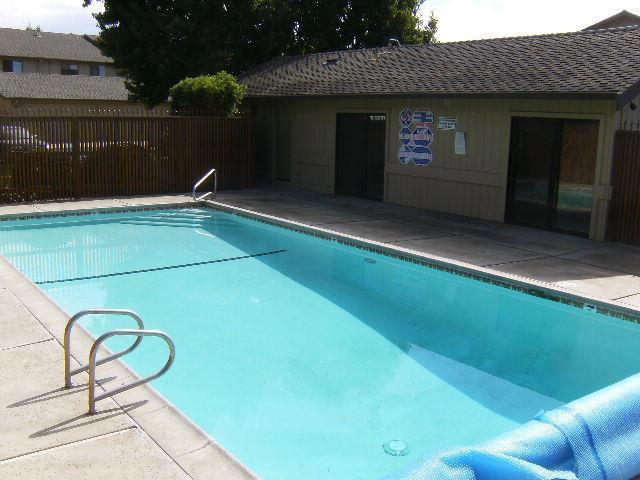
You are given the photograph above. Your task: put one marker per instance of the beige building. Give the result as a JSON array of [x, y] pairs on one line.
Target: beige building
[[517, 129], [56, 72], [35, 51]]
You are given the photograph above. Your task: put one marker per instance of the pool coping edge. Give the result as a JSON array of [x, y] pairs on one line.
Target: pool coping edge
[[518, 283], [506, 280], [28, 294]]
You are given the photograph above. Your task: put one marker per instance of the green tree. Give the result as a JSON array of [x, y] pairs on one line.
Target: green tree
[[156, 43]]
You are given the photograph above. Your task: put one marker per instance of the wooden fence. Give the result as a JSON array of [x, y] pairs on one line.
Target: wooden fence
[[64, 157], [128, 110], [623, 224]]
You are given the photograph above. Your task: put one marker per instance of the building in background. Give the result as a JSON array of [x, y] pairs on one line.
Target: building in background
[[35, 51], [58, 73], [519, 130]]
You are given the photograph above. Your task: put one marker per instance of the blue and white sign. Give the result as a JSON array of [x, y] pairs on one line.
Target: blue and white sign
[[406, 117], [423, 117], [406, 135], [422, 136], [422, 156], [405, 155], [416, 137]]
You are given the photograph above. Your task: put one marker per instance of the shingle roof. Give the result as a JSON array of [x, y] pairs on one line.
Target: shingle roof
[[55, 46], [61, 87], [601, 62], [623, 18]]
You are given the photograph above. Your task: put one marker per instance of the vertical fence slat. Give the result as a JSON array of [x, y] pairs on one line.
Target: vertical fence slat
[[623, 223], [110, 154]]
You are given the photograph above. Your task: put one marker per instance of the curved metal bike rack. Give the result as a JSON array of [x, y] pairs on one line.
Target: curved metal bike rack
[[93, 398], [201, 181], [68, 373]]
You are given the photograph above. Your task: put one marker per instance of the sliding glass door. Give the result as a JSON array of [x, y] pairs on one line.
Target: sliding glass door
[[551, 173]]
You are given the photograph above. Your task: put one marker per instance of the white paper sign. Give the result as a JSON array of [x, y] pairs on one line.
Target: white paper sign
[[460, 144], [447, 123]]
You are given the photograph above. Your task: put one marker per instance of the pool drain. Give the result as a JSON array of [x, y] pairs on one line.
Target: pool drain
[[369, 260], [396, 448]]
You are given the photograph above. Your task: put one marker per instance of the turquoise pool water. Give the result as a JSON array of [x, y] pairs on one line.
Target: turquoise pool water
[[302, 356]]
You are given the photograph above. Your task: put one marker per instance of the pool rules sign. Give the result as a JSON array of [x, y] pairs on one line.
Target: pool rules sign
[[416, 137]]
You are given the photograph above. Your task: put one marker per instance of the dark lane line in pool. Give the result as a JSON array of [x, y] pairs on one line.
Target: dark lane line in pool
[[156, 269]]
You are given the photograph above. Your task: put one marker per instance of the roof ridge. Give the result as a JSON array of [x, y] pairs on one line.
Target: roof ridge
[[54, 75], [542, 35], [273, 60], [25, 30]]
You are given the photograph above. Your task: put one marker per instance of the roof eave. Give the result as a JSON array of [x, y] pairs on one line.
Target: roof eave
[[489, 95], [107, 61], [628, 95], [66, 99]]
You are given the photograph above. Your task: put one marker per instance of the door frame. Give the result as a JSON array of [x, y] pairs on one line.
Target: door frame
[[365, 111], [600, 189], [553, 171], [387, 111]]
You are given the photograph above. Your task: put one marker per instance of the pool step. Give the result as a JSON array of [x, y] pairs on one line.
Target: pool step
[[183, 212], [158, 223], [182, 219], [191, 216]]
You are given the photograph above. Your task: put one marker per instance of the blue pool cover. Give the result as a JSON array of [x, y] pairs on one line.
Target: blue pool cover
[[595, 437]]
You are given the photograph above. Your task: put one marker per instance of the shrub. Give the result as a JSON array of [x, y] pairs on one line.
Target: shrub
[[220, 93]]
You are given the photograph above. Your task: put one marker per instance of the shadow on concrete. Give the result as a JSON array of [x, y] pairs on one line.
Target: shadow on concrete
[[87, 419], [57, 393]]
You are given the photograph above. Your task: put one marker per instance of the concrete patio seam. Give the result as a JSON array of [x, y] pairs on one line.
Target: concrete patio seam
[[393, 242], [524, 260], [626, 296], [18, 458], [12, 347], [543, 257], [611, 269], [504, 244]]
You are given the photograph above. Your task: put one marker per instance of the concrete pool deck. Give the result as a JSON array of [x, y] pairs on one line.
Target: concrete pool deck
[[46, 432], [137, 434], [601, 271]]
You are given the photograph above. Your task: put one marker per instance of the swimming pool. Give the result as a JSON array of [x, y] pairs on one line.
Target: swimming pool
[[305, 357]]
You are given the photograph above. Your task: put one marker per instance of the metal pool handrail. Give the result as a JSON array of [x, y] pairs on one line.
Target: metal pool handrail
[[201, 181], [68, 373], [93, 398]]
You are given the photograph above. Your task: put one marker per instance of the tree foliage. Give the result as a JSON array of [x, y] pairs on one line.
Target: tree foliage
[[158, 42], [220, 92]]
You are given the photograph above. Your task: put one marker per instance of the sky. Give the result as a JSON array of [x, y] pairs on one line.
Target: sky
[[473, 19], [458, 19]]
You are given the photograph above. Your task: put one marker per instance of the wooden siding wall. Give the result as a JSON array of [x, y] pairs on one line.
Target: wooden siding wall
[[473, 184], [45, 66], [630, 119], [75, 157], [624, 215]]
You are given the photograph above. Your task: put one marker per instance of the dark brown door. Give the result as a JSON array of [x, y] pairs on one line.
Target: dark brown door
[[551, 173], [360, 153]]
